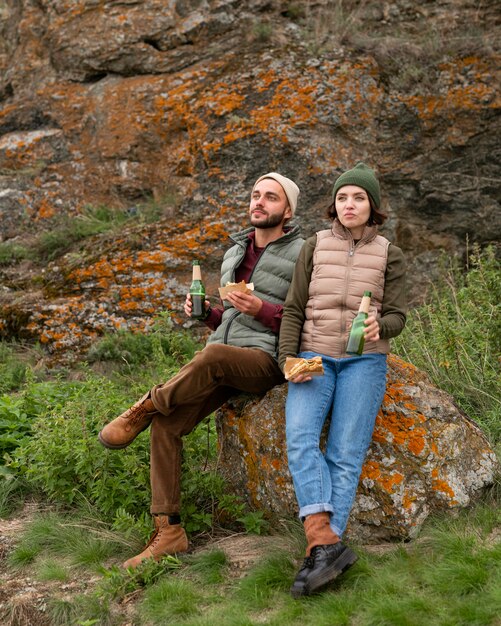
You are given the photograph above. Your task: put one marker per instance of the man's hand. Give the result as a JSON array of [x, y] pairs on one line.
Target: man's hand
[[245, 302], [188, 307], [371, 330]]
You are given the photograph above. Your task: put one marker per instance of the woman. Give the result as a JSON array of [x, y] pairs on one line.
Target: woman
[[334, 268]]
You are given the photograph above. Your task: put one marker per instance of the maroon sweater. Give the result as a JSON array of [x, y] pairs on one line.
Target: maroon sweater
[[270, 314]]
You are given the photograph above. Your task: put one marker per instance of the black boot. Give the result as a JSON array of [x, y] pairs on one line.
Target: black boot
[[324, 564], [298, 586]]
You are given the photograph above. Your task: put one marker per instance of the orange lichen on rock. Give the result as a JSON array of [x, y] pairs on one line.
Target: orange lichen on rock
[[291, 104], [387, 480], [400, 420], [249, 455], [442, 486], [477, 93], [408, 499], [370, 470], [45, 209]]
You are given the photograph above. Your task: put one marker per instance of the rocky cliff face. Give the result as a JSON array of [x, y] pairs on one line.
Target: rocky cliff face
[[168, 111]]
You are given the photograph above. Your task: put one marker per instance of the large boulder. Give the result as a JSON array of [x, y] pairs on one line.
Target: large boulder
[[426, 456]]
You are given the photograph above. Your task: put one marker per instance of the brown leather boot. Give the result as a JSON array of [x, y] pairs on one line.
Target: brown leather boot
[[318, 531], [126, 427], [167, 539]]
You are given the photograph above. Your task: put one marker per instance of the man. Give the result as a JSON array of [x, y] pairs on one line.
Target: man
[[240, 355]]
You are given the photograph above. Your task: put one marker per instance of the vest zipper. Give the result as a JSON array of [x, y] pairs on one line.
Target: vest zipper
[[228, 324], [351, 252]]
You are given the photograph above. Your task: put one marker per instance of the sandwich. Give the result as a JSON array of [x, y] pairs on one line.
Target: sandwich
[[230, 287], [311, 367]]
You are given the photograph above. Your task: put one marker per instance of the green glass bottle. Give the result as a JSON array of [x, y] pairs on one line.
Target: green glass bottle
[[356, 339], [197, 292]]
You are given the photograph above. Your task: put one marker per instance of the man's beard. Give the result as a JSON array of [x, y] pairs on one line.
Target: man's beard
[[271, 221]]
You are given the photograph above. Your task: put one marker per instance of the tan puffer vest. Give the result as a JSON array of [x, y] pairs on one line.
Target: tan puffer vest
[[342, 271]]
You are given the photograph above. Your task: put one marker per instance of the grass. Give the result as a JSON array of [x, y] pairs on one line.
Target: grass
[[11, 252], [50, 569], [81, 543], [456, 337], [451, 576], [64, 231], [409, 54], [209, 567], [12, 494], [170, 601]]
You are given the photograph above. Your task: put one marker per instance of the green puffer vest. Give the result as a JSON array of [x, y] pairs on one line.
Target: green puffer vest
[[271, 276]]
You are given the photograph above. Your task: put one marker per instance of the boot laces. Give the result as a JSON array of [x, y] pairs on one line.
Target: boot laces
[[153, 539], [136, 414], [308, 562]]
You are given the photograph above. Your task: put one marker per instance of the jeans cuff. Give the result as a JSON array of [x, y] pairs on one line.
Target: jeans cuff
[[311, 509], [336, 530]]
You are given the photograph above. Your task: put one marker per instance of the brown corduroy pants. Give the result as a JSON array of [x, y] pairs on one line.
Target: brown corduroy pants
[[214, 375]]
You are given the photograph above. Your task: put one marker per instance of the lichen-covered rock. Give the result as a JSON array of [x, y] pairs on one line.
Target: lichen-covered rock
[[426, 456]]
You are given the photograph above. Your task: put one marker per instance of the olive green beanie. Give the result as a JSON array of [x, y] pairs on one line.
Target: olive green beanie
[[362, 176]]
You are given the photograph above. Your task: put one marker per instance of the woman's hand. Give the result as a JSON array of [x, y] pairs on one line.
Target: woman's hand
[[300, 378], [371, 330], [245, 302]]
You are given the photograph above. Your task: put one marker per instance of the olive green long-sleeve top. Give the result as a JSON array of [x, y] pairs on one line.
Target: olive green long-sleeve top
[[394, 306]]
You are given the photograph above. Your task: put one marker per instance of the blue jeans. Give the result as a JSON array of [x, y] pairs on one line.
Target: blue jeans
[[351, 390]]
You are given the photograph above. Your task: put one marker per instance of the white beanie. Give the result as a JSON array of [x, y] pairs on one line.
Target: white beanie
[[288, 185]]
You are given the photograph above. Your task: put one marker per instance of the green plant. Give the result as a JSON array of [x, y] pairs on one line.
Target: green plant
[[51, 569], [82, 610], [12, 492], [254, 522], [295, 10], [15, 425], [452, 575], [133, 526], [79, 543], [11, 252], [17, 413], [69, 229], [456, 337], [170, 601], [20, 364], [262, 31], [154, 208], [64, 459], [129, 349], [210, 567], [273, 573], [117, 582], [63, 612], [334, 18]]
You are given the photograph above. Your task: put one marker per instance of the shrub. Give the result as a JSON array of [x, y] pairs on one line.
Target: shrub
[[63, 458], [17, 413], [456, 337], [12, 369], [14, 424], [67, 230], [12, 253], [125, 347]]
